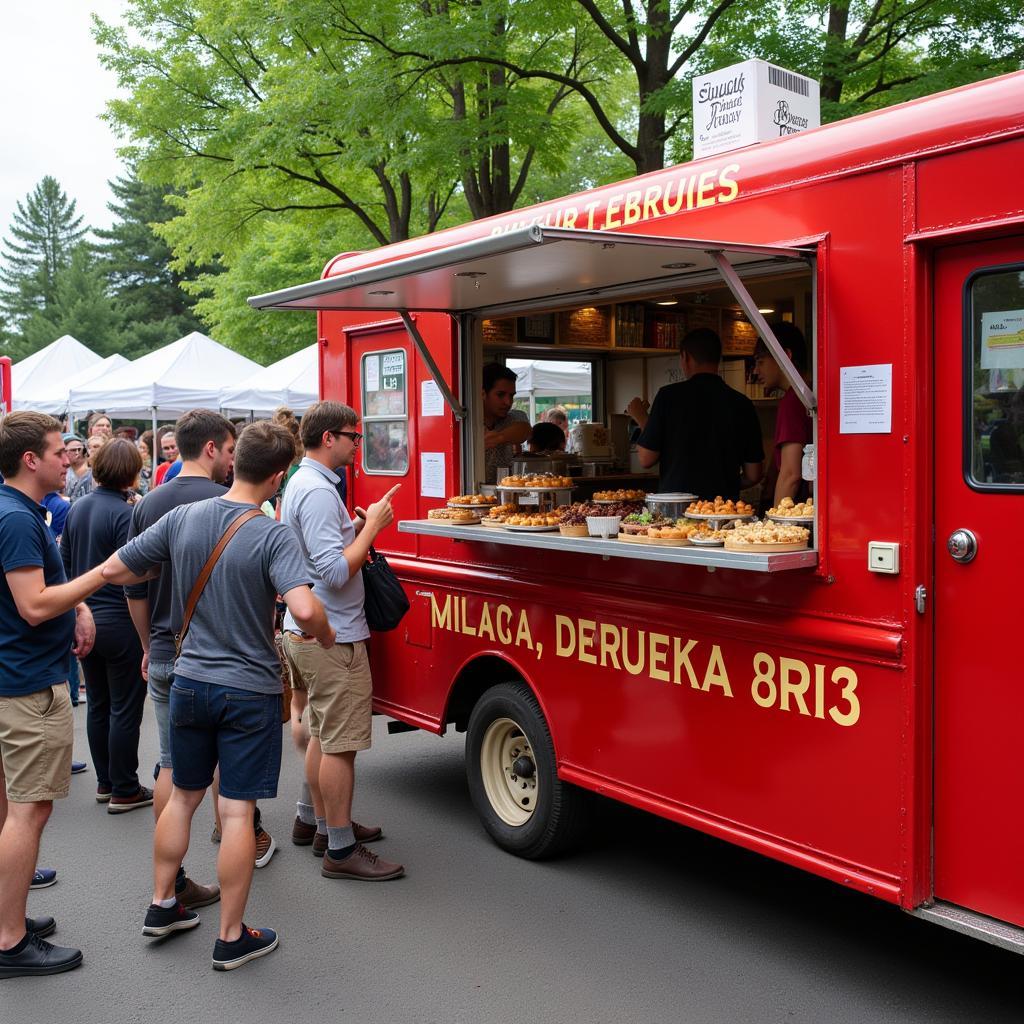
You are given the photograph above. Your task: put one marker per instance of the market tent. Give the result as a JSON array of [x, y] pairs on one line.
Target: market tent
[[52, 397], [58, 361], [549, 378], [187, 374], [292, 381]]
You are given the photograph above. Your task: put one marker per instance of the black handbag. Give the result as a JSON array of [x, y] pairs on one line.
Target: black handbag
[[386, 602]]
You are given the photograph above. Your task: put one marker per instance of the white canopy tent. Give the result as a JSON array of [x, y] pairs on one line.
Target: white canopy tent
[[292, 381], [187, 374], [549, 378], [53, 397], [38, 373]]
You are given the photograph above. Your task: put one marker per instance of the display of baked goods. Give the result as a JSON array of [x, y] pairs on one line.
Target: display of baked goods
[[454, 515], [668, 532], [532, 519], [789, 509], [534, 480], [767, 535], [473, 499], [621, 495], [498, 512], [719, 507], [701, 533]]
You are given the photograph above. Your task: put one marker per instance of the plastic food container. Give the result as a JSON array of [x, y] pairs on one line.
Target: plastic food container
[[603, 526], [669, 504]]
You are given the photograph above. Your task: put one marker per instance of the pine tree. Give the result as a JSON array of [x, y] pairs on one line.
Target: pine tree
[[43, 233], [81, 307], [137, 263]]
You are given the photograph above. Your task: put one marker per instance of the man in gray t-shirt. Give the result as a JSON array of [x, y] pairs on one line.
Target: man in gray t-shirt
[[226, 695]]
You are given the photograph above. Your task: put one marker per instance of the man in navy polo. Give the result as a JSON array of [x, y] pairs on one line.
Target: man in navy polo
[[42, 616]]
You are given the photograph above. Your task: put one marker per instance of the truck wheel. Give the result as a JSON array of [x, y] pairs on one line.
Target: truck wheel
[[510, 766]]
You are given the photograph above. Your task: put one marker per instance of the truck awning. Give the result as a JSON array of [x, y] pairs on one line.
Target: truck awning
[[530, 267]]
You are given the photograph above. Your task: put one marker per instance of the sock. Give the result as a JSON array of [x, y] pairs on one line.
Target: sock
[[305, 813], [166, 904], [179, 880], [321, 826], [341, 841], [305, 796], [15, 950]]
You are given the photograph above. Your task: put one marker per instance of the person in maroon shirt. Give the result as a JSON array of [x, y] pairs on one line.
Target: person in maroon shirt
[[793, 427]]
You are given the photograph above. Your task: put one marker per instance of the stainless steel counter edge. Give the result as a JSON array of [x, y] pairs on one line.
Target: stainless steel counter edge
[[716, 557]]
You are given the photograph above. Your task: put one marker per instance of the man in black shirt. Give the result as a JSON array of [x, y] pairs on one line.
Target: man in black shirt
[[704, 436]]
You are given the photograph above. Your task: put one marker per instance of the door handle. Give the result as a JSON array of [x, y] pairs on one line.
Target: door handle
[[962, 545]]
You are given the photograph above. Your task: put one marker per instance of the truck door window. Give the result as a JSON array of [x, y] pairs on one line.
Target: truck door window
[[385, 413], [994, 370]]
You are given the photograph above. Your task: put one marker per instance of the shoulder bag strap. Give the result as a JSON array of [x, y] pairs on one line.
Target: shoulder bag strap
[[206, 571]]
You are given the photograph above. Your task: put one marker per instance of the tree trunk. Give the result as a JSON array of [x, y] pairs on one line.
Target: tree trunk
[[835, 47]]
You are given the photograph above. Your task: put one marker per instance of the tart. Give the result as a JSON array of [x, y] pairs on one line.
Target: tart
[[454, 515]]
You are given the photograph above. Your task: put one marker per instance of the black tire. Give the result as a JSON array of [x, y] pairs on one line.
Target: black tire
[[554, 815]]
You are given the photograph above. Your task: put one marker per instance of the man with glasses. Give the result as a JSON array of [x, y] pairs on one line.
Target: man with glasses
[[78, 467], [338, 678]]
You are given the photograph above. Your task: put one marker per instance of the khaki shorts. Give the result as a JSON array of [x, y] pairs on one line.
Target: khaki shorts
[[36, 736], [340, 692]]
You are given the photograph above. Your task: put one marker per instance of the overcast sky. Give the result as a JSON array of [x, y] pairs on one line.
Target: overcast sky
[[54, 91]]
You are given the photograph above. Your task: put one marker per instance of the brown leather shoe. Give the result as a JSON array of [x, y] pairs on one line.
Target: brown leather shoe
[[363, 834], [362, 866], [196, 895], [123, 804], [303, 834]]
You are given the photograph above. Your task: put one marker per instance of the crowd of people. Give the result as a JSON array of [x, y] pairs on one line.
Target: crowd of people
[[128, 568]]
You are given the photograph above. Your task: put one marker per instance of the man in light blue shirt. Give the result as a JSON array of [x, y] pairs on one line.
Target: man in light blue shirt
[[338, 680]]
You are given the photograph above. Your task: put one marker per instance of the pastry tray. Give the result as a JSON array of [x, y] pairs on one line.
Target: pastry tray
[[531, 529], [763, 548], [719, 515], [616, 501], [799, 520], [528, 490], [459, 522], [471, 508]]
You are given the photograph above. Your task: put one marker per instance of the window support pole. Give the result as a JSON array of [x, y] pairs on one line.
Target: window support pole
[[742, 296], [417, 339]]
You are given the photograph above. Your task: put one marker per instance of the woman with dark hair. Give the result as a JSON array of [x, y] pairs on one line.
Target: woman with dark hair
[[96, 527], [145, 446]]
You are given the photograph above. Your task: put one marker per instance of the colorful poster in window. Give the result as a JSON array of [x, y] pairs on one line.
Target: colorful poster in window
[[1002, 340]]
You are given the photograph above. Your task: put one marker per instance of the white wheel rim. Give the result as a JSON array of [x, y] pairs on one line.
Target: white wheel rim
[[512, 796]]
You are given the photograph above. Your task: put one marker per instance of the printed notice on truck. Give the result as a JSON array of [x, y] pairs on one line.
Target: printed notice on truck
[[371, 373], [865, 399], [1002, 340], [431, 399], [432, 474]]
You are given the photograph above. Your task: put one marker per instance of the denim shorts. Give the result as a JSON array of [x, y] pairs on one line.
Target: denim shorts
[[238, 729], [161, 675]]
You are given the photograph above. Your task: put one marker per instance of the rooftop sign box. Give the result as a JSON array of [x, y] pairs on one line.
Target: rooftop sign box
[[751, 102]]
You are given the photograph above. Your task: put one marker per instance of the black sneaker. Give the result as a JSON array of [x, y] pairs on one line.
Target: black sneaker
[[41, 926], [164, 920], [39, 957], [252, 944]]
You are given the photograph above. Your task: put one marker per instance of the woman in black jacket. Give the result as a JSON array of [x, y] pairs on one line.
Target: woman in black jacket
[[96, 527]]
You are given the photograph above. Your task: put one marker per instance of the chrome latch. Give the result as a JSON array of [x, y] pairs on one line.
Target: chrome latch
[[920, 596]]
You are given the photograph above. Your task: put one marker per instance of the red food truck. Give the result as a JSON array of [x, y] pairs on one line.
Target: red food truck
[[851, 708]]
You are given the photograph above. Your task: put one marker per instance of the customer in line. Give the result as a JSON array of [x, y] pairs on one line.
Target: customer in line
[[226, 698], [96, 527]]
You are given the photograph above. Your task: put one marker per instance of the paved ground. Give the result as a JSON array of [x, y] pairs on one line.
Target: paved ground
[[650, 923]]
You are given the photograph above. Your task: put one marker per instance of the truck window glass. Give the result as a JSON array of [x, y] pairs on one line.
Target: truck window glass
[[385, 413], [994, 345]]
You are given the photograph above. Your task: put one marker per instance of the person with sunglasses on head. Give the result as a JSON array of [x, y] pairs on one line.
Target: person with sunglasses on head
[[340, 689]]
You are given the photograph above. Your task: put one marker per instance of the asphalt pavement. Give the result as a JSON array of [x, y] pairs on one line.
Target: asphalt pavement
[[648, 923]]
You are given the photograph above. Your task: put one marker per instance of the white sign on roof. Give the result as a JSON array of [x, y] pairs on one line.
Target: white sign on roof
[[748, 103]]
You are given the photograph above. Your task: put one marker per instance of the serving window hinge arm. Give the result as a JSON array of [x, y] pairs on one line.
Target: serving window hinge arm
[[742, 296], [421, 347]]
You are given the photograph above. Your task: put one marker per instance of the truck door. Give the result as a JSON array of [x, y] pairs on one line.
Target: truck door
[[979, 509]]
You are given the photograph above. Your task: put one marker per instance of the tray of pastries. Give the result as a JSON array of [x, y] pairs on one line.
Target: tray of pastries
[[668, 536], [535, 482], [789, 510], [703, 536], [473, 501], [496, 515], [767, 537], [455, 516], [533, 521], [572, 520], [720, 508], [614, 497]]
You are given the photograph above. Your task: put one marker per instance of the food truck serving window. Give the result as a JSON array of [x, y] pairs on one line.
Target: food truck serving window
[[385, 413], [994, 365]]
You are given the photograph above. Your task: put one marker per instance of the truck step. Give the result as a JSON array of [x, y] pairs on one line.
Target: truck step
[[978, 926]]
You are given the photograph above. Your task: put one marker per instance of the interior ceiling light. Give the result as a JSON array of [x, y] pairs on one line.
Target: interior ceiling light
[[668, 302], [767, 309], [677, 266]]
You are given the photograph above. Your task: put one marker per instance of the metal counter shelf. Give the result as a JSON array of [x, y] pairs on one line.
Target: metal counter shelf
[[711, 557]]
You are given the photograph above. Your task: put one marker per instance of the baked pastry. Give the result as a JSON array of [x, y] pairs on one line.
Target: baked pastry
[[532, 519], [537, 480], [788, 508], [499, 512], [620, 495], [453, 515], [767, 533], [720, 507], [473, 499]]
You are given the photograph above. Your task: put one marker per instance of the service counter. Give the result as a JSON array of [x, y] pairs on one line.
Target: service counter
[[714, 558]]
